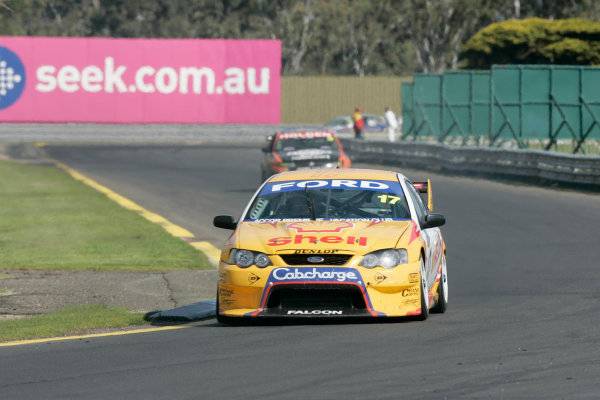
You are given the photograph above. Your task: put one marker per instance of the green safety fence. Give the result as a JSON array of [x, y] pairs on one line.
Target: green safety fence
[[466, 104], [521, 103], [427, 105]]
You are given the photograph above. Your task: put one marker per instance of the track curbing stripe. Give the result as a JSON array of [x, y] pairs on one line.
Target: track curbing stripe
[[211, 251], [207, 248], [93, 335]]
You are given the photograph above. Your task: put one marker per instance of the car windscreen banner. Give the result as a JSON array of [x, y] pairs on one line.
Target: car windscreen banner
[[337, 184], [211, 81]]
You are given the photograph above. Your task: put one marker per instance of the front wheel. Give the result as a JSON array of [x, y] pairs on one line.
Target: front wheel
[[442, 291], [424, 294]]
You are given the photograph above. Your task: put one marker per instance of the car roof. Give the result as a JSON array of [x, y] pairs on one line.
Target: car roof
[[341, 173]]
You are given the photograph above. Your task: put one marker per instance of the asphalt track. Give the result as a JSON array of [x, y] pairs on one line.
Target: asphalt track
[[523, 318]]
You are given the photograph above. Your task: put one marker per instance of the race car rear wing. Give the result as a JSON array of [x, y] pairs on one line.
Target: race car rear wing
[[425, 187]]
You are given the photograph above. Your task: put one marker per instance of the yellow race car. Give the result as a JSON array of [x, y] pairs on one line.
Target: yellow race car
[[334, 243]]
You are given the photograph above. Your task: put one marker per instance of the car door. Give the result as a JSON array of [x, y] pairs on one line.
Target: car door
[[432, 236]]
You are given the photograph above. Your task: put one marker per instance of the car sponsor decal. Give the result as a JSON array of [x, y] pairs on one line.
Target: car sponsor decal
[[379, 277], [414, 302], [316, 251], [373, 221], [304, 135], [309, 154], [253, 278], [315, 275], [358, 184], [315, 312], [274, 221], [308, 239], [410, 292]]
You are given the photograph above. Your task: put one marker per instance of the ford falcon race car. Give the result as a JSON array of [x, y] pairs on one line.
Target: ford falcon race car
[[302, 149], [334, 243]]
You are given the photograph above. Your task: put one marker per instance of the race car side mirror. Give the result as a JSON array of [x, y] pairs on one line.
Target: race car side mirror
[[224, 221], [432, 220], [267, 148]]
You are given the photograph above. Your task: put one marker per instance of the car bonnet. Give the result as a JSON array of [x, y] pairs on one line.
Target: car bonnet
[[351, 236]]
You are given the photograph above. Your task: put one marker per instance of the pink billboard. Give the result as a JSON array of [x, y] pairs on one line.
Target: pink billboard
[[204, 81]]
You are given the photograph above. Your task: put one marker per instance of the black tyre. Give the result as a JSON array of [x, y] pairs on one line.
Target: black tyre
[[424, 294], [442, 291]]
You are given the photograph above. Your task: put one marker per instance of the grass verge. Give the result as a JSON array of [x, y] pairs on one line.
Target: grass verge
[[50, 221], [76, 320]]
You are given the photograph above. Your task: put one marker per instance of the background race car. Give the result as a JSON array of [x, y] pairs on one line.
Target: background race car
[[302, 149], [343, 124], [334, 243]]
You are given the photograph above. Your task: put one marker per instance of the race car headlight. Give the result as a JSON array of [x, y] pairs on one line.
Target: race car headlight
[[243, 258], [261, 260], [246, 258], [386, 258]]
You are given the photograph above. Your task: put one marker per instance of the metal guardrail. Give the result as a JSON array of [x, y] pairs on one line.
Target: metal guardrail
[[531, 164]]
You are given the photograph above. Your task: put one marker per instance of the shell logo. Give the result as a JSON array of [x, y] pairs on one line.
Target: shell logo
[[321, 226]]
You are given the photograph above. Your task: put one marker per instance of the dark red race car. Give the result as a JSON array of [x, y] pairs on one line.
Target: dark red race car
[[302, 149]]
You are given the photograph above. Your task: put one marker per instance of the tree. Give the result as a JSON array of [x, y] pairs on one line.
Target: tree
[[437, 29], [293, 23], [367, 26], [534, 41], [547, 9]]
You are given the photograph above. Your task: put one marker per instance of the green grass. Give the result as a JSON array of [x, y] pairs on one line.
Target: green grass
[[69, 321], [50, 221], [589, 147]]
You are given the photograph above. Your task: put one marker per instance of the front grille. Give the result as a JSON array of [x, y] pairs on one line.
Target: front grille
[[316, 296], [317, 163], [328, 259]]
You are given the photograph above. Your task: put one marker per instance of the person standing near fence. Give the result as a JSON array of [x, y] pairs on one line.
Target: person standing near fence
[[392, 123], [359, 122]]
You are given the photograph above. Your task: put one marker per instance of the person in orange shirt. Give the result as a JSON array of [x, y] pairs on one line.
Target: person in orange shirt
[[359, 122]]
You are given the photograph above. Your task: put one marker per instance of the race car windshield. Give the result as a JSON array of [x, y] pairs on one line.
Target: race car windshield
[[330, 199], [324, 143]]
